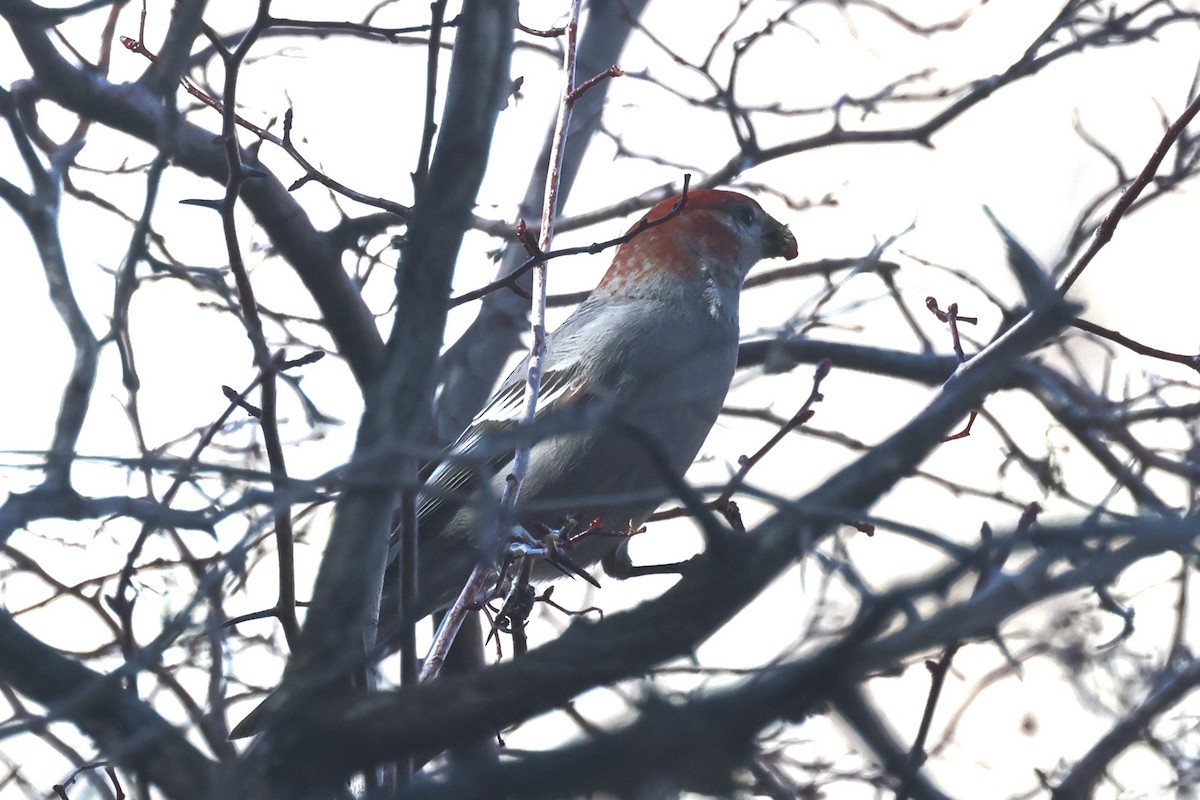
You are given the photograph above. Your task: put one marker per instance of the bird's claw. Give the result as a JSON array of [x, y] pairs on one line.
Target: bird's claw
[[559, 557], [552, 544]]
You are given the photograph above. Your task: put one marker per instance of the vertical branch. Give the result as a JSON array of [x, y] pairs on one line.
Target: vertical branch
[[537, 315], [452, 621], [408, 562], [471, 366], [77, 393], [399, 397], [421, 175], [238, 174], [39, 212]]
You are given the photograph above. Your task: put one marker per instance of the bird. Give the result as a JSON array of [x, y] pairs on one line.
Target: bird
[[633, 381], [644, 363]]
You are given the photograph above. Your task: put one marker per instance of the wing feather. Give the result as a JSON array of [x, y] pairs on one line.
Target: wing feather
[[460, 474]]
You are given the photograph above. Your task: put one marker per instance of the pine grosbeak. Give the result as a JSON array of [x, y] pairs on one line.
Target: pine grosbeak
[[653, 348]]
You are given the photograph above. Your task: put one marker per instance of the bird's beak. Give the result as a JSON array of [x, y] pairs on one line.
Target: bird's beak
[[779, 242]]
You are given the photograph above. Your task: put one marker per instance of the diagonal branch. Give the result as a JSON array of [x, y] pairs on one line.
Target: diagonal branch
[[126, 728], [711, 591]]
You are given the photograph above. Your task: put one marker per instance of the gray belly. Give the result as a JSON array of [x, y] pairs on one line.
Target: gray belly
[[657, 419]]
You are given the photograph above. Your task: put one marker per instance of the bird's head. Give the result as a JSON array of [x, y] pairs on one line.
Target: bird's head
[[715, 238]]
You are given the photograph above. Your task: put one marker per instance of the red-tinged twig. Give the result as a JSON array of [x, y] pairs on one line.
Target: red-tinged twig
[[530, 243], [451, 623], [951, 317], [943, 316], [1192, 361], [1104, 231], [806, 412], [952, 321], [537, 314], [612, 72], [966, 430], [596, 526], [510, 280], [453, 619]]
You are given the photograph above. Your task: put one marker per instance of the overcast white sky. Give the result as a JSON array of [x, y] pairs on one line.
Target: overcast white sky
[[354, 104]]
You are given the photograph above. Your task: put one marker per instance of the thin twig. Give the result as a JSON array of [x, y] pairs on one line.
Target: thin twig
[[1104, 231], [454, 617]]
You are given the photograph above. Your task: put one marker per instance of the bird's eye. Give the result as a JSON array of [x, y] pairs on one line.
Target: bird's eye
[[744, 215]]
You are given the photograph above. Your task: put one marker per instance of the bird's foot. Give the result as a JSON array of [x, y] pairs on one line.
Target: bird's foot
[[538, 540]]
